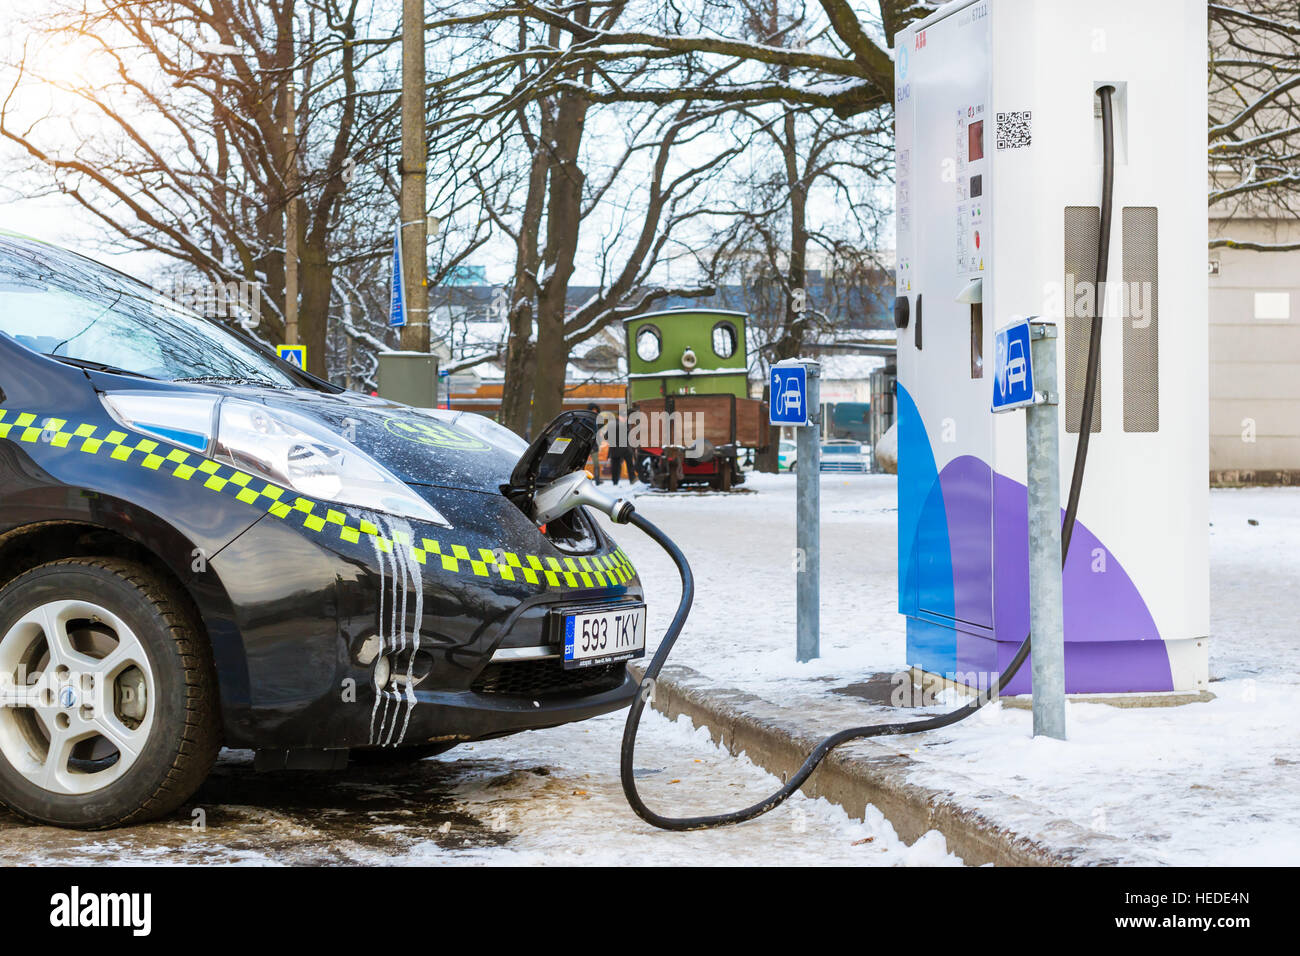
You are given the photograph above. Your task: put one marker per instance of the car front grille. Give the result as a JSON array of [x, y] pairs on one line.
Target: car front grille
[[845, 467], [547, 678]]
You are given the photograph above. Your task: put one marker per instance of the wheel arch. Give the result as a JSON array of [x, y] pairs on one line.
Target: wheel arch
[[163, 550]]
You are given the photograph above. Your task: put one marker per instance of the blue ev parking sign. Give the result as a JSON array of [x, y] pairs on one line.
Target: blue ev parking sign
[[1013, 370], [788, 396]]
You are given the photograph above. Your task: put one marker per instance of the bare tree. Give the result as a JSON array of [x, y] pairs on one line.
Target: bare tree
[[181, 145], [637, 179], [800, 151], [856, 74], [1254, 102], [198, 164]]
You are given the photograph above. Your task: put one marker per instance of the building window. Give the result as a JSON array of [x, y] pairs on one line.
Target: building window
[[724, 340], [1273, 306], [648, 343]]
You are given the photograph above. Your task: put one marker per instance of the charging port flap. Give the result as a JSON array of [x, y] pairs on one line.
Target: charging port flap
[[564, 446]]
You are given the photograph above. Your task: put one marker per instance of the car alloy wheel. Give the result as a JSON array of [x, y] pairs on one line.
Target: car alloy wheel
[[76, 696], [108, 694]]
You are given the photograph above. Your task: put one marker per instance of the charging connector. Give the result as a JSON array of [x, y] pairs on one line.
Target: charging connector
[[572, 491]]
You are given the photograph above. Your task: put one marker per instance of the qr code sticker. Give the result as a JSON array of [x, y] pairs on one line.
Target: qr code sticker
[[1015, 129]]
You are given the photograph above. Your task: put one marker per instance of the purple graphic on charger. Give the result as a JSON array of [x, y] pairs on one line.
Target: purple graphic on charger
[[968, 503], [1112, 642]]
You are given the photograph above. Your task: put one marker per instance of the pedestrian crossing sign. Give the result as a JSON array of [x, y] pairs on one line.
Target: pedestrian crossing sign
[[295, 355]]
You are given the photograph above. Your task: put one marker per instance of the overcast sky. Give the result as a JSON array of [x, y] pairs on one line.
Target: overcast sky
[[57, 219]]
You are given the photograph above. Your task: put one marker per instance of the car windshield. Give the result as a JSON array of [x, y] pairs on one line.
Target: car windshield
[[78, 311]]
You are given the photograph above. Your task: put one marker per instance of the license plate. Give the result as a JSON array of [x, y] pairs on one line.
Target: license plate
[[604, 636]]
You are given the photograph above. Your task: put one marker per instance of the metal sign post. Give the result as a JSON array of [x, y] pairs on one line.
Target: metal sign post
[[1046, 590], [796, 400], [1025, 377]]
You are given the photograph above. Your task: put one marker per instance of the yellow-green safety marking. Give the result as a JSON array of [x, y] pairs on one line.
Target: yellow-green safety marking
[[593, 571]]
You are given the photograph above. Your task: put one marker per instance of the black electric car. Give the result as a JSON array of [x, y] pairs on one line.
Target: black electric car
[[203, 546]]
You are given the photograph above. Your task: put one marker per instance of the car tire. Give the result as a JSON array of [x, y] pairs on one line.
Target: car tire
[[126, 687], [792, 467], [386, 756]]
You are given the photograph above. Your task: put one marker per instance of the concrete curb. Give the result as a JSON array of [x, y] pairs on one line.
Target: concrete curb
[[866, 772]]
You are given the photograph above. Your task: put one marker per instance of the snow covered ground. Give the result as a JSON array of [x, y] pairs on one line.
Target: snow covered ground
[[1210, 783], [1203, 783], [742, 552], [546, 797], [541, 798], [576, 813]]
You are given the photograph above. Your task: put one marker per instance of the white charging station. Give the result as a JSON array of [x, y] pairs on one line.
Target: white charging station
[[998, 192]]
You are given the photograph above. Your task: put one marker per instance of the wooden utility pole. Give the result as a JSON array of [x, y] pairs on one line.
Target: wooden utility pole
[[291, 213], [415, 334]]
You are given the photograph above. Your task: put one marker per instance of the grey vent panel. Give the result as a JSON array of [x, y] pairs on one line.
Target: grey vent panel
[[1141, 316], [1081, 226]]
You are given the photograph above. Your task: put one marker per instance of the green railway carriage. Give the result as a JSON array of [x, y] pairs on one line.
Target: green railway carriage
[[688, 383], [687, 352]]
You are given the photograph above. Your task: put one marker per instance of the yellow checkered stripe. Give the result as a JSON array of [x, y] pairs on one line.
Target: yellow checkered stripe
[[597, 571]]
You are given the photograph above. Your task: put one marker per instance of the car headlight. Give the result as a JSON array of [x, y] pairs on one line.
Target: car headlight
[[280, 446]]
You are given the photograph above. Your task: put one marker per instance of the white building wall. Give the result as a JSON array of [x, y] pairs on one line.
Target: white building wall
[[1255, 354]]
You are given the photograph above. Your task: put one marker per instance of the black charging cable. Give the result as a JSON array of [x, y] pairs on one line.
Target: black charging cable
[[820, 752]]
